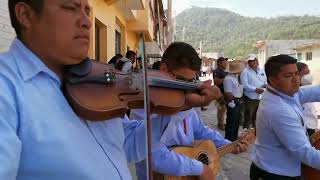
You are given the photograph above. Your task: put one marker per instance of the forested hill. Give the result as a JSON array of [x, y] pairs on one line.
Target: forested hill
[[234, 35]]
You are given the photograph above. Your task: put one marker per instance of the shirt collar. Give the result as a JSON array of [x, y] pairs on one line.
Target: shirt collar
[[28, 63], [233, 75], [282, 95], [124, 59], [258, 69]]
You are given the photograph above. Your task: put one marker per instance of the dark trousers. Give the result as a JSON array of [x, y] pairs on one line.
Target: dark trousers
[[311, 131], [258, 174], [250, 112], [233, 121]]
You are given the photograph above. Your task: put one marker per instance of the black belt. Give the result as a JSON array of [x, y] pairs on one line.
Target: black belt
[[257, 173], [238, 100]]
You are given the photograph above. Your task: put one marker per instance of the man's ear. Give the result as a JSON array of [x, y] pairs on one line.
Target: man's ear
[[271, 80], [24, 14], [164, 67]]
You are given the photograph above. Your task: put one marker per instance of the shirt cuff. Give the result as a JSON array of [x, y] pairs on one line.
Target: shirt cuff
[[250, 88], [196, 168]]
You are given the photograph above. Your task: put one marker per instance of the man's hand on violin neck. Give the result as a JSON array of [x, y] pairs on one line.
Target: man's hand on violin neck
[[207, 94]]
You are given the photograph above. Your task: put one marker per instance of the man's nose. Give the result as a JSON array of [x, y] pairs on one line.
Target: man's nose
[[296, 78], [85, 21]]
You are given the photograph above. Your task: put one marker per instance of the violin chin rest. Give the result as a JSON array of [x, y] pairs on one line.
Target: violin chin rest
[[81, 69]]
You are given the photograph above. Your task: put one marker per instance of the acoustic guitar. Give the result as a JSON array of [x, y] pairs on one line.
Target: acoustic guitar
[[206, 152], [309, 173]]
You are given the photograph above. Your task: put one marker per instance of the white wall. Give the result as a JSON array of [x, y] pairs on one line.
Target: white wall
[[6, 31], [262, 57], [314, 64]]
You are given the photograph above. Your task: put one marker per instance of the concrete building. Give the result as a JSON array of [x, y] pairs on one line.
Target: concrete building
[[310, 54], [116, 27], [269, 48], [119, 23], [6, 31], [209, 59]]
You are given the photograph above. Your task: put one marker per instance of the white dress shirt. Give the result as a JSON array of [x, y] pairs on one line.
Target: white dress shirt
[[231, 84]]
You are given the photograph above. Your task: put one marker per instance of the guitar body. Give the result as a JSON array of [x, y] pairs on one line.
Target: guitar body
[[204, 151], [309, 173]]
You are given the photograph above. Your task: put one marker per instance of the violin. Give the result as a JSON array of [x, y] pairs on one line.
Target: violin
[[98, 91]]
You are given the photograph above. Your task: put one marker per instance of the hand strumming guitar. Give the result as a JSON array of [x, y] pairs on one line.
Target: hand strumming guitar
[[207, 173]]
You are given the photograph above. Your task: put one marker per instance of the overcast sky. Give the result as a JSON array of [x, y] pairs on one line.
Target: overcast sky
[[254, 8]]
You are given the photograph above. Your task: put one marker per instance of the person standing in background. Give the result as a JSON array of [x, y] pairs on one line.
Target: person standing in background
[[114, 60], [218, 76], [309, 109], [233, 91], [254, 82], [126, 64]]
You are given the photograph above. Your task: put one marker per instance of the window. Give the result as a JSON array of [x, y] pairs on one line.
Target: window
[[309, 56], [97, 42], [118, 42], [299, 56]]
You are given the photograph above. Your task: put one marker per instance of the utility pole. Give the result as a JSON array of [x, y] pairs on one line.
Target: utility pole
[[183, 33], [200, 50], [170, 24]]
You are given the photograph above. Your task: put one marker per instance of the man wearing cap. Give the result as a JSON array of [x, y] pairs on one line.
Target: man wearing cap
[[218, 76], [254, 81], [232, 93]]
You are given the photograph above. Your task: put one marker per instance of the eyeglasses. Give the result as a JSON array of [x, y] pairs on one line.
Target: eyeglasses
[[181, 78]]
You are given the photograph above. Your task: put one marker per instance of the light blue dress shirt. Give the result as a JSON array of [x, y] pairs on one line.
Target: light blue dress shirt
[[251, 80], [281, 143], [170, 131], [42, 138]]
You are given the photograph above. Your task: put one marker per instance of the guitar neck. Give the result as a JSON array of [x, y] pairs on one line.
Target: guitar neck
[[227, 148], [249, 137]]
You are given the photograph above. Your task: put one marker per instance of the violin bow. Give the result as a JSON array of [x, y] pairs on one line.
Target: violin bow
[[146, 106]]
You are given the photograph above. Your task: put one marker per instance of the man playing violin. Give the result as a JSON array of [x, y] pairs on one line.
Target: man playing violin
[[182, 62], [40, 135], [282, 143]]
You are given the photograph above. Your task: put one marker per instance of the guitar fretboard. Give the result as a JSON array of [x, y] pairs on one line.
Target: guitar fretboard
[[227, 148], [250, 137]]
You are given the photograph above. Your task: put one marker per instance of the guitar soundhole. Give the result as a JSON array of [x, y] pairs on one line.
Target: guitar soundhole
[[203, 158]]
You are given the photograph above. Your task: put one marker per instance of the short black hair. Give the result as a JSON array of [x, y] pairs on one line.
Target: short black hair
[[220, 59], [301, 66], [156, 65], [181, 55], [36, 5], [130, 54], [114, 59], [275, 63]]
